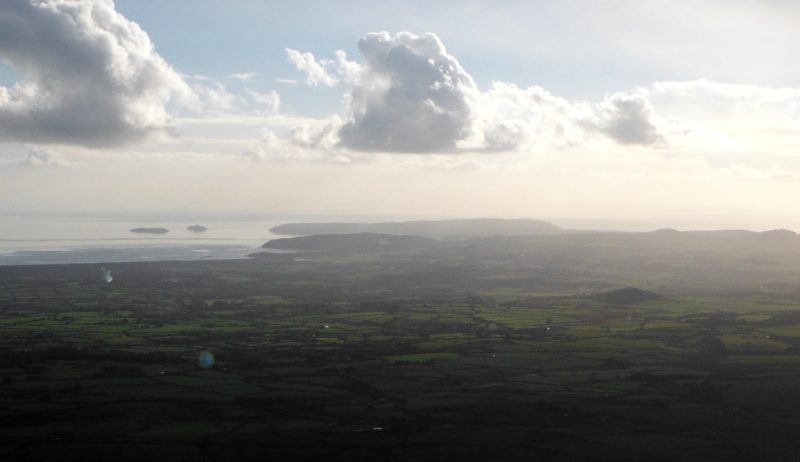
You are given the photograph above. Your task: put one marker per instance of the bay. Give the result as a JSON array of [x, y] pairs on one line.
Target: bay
[[27, 239]]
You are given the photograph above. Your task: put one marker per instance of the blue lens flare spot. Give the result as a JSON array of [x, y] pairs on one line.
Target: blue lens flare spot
[[206, 359]]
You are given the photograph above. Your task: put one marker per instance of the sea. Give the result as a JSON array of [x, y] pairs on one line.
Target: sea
[[63, 238], [41, 238]]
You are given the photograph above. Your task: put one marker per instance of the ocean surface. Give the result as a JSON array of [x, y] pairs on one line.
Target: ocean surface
[[59, 239]]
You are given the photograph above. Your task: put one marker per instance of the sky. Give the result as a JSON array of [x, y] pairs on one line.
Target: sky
[[616, 115]]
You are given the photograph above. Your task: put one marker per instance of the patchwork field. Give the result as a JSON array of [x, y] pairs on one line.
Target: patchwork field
[[241, 360]]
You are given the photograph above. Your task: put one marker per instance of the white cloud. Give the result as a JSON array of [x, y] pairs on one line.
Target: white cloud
[[306, 142], [411, 96], [90, 76], [441, 162], [42, 157], [196, 77], [348, 70], [510, 118], [271, 100], [631, 119], [628, 119], [315, 71], [248, 77], [212, 98], [708, 98]]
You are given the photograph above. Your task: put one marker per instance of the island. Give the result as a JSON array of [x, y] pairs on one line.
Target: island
[[150, 230], [197, 228]]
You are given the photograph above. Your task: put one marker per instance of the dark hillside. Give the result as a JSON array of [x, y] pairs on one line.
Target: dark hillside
[[351, 243], [778, 235], [628, 296], [441, 229]]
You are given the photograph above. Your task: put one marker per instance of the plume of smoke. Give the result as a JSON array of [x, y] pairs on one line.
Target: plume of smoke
[[106, 274]]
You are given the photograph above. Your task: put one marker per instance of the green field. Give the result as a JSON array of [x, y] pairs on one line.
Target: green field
[[387, 358]]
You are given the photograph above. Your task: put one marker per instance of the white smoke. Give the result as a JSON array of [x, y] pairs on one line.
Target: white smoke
[[106, 274]]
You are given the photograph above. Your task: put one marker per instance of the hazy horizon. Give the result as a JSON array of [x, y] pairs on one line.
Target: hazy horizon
[[696, 223], [632, 117]]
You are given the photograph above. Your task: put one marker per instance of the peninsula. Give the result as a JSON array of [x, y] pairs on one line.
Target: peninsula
[[435, 229], [150, 230]]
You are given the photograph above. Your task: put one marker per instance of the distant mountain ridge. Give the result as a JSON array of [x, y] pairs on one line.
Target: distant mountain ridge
[[351, 243], [458, 229], [665, 261]]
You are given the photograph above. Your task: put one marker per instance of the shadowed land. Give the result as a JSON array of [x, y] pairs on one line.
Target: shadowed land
[[435, 229], [503, 348]]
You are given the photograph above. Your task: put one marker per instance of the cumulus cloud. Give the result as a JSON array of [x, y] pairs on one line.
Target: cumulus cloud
[[631, 119], [316, 72], [411, 96], [509, 118], [90, 76], [348, 70]]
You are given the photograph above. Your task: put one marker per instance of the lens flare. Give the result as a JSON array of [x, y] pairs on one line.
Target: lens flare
[[206, 359]]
